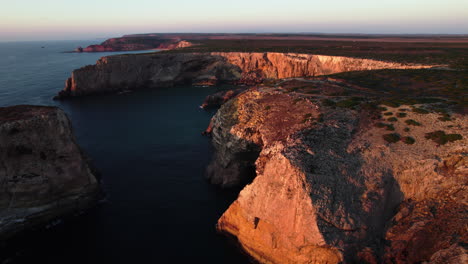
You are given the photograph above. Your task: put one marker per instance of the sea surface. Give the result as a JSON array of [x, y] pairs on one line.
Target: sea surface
[[149, 148]]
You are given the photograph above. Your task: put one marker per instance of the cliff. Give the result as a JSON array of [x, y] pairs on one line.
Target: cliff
[[328, 185], [130, 72], [43, 173], [133, 43]]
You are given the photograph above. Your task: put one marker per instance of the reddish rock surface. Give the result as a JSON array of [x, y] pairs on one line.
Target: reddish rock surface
[[327, 188]]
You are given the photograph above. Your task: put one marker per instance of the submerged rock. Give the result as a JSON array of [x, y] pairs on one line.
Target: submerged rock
[[43, 173], [327, 188]]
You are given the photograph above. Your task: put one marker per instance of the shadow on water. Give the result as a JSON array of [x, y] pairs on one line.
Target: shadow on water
[[159, 208]]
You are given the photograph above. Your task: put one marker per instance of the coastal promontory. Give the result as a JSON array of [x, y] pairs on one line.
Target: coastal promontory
[[44, 174]]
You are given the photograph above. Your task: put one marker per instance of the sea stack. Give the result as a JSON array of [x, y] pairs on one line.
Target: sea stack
[[44, 174]]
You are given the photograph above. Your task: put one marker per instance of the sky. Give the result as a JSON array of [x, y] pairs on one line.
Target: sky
[[22, 20]]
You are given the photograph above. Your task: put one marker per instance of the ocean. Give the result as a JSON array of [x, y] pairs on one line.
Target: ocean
[[148, 146]]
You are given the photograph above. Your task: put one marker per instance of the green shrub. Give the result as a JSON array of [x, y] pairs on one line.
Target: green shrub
[[445, 117], [409, 140], [407, 129], [388, 113], [391, 138], [391, 103], [420, 111], [380, 125], [402, 114], [381, 109], [388, 127], [328, 102], [307, 117], [441, 138], [412, 122], [349, 103], [392, 119], [267, 107]]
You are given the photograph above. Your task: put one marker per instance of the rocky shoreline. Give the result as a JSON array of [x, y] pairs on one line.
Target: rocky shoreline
[[330, 172], [44, 174]]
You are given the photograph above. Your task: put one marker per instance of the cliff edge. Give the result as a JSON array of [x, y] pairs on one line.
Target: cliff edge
[[332, 184], [134, 71], [43, 172]]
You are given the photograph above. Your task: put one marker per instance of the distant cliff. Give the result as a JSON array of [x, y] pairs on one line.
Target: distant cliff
[[133, 71], [133, 43], [326, 185], [43, 173]]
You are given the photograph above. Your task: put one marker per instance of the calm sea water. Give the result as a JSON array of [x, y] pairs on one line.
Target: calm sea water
[[148, 147]]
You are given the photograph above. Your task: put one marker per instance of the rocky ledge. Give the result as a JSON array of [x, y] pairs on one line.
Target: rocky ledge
[[134, 71], [331, 184], [43, 173]]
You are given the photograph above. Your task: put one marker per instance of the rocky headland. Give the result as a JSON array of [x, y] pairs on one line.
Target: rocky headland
[[133, 43], [43, 173], [358, 168], [330, 183], [134, 71]]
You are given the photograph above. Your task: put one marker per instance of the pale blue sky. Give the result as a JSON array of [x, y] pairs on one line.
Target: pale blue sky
[[87, 19]]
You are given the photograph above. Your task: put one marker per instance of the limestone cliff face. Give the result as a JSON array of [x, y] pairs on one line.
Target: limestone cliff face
[[329, 188], [43, 173], [129, 72], [286, 65]]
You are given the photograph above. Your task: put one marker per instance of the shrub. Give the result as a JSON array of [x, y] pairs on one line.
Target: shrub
[[441, 138], [267, 107], [392, 119], [402, 114], [307, 117], [392, 138], [420, 111], [388, 127], [391, 103], [380, 125], [349, 103], [408, 140], [381, 109], [412, 122], [328, 102], [445, 117], [407, 129], [388, 113]]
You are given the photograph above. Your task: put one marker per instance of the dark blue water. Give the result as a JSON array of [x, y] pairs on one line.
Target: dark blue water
[[148, 147]]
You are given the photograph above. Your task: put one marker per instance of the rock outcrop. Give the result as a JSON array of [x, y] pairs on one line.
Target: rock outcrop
[[326, 187], [133, 71], [217, 99], [43, 172]]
